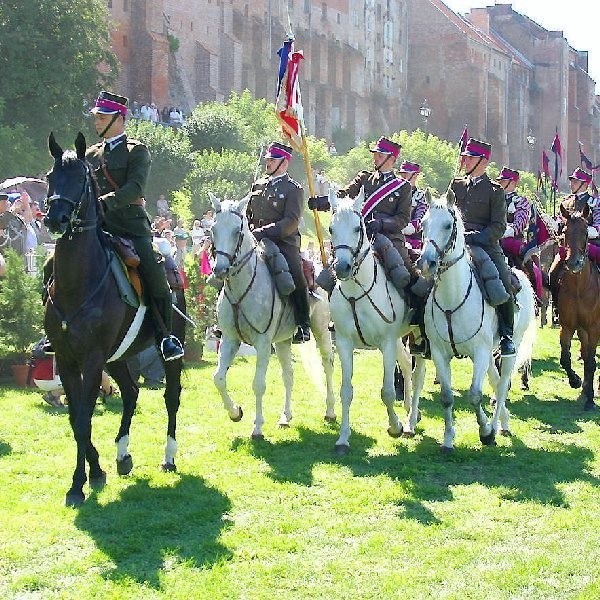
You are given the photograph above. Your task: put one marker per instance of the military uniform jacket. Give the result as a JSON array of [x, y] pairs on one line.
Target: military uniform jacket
[[483, 208], [394, 210], [419, 207], [578, 202], [518, 213], [275, 207], [128, 164]]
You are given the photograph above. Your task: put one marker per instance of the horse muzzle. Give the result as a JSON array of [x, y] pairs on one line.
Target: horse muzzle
[[575, 264], [427, 266], [342, 269], [56, 226]]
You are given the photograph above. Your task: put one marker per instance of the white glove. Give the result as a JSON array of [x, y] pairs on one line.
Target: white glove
[[409, 229], [509, 231], [592, 232]]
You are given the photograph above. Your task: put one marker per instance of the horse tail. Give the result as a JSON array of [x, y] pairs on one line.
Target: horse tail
[[527, 322]]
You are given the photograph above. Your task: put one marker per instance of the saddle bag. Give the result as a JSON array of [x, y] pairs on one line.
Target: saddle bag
[[126, 250], [392, 261], [488, 277], [326, 279], [308, 268], [278, 267]]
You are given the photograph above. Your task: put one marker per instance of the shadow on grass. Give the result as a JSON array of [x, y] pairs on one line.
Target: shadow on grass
[[519, 472], [148, 528], [5, 449]]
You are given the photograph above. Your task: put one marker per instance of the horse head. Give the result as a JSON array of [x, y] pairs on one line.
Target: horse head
[[349, 242], [576, 238], [69, 182], [443, 233], [229, 230]]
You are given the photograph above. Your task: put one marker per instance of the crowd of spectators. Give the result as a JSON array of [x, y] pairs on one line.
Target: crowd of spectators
[[171, 116]]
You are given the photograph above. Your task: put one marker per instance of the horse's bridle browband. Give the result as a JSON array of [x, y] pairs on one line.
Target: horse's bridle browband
[[354, 252]]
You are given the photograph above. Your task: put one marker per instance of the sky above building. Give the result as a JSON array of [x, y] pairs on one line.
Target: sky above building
[[574, 18]]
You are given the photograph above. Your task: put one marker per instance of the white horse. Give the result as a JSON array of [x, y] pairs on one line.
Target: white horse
[[250, 310], [459, 322], [368, 312]]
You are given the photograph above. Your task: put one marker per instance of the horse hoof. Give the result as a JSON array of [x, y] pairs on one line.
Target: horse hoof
[[74, 499], [394, 434], [283, 425], [330, 419], [575, 382], [408, 434], [589, 406], [490, 439], [418, 416], [446, 449], [239, 417], [257, 436], [125, 465], [168, 467], [506, 432], [341, 449], [525, 387], [97, 483]]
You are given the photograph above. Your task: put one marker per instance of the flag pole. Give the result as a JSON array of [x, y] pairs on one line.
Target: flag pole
[[311, 191]]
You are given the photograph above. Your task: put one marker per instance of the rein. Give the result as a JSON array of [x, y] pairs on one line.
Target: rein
[[352, 300], [444, 267], [77, 225], [237, 267]]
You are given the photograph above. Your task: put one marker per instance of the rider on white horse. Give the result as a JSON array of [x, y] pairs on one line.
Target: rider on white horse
[[387, 211], [274, 212], [483, 207]]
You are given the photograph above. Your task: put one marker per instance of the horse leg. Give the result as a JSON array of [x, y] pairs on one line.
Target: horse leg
[[442, 367], [345, 351], [325, 346], [501, 414], [418, 380], [172, 398], [525, 375], [487, 433], [588, 352], [263, 354], [494, 379], [566, 335], [119, 371], [284, 354], [388, 391], [404, 360], [227, 352]]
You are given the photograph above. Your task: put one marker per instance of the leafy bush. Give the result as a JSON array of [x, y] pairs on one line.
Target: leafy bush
[[212, 126], [21, 310]]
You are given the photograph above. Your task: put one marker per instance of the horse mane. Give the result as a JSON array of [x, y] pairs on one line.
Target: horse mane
[[442, 203]]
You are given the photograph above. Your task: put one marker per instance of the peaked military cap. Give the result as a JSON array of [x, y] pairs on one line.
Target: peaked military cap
[[108, 103], [278, 150]]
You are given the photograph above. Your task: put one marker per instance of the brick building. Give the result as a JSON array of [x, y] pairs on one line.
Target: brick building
[[369, 65]]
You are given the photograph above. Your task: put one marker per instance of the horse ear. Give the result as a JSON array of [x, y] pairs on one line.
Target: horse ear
[[359, 200], [428, 196], [564, 212], [215, 202], [55, 150], [80, 146], [450, 197], [243, 203]]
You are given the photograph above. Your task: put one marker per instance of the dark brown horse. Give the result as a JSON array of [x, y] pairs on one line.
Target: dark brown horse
[[579, 304], [88, 324]]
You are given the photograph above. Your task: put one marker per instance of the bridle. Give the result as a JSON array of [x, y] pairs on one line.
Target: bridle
[[584, 253], [358, 258], [235, 266], [76, 223], [444, 266]]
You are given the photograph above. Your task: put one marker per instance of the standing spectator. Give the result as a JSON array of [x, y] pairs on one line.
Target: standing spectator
[[154, 114], [175, 117], [164, 115], [145, 112], [332, 149], [135, 109], [198, 234], [322, 183], [180, 227], [162, 207], [181, 248], [207, 221]]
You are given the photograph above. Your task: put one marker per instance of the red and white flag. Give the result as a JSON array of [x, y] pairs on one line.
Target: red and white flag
[[288, 105]]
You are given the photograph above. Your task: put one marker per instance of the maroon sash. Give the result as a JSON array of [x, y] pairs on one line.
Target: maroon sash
[[379, 194]]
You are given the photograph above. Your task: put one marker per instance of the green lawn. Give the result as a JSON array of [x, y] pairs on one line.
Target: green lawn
[[285, 518]]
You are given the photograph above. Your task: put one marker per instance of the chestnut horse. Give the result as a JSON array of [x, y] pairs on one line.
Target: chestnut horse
[[579, 304]]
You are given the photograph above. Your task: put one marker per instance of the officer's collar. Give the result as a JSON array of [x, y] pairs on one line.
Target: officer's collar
[[582, 194], [510, 194], [277, 178], [114, 141]]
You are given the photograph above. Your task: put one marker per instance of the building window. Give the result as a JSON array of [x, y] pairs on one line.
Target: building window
[[191, 25], [339, 18], [307, 6], [125, 5], [324, 11], [109, 3]]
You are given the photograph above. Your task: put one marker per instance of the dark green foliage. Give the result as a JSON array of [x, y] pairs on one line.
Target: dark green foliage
[[21, 310], [213, 127]]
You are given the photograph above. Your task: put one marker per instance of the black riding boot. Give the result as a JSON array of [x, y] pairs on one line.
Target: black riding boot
[[299, 300], [418, 318], [506, 318], [169, 346]]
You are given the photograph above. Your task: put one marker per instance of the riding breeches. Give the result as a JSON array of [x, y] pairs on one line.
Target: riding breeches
[[294, 261]]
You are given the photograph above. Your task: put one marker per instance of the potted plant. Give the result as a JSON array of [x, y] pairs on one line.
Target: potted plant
[[21, 314]]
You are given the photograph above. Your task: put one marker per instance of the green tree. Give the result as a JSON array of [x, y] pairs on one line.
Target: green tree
[[171, 153], [258, 118], [50, 51], [212, 126]]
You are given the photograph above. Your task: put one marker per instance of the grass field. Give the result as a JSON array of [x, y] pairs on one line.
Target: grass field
[[285, 518]]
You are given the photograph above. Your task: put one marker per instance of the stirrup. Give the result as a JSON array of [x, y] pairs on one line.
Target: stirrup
[[302, 335], [171, 348], [507, 346]]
